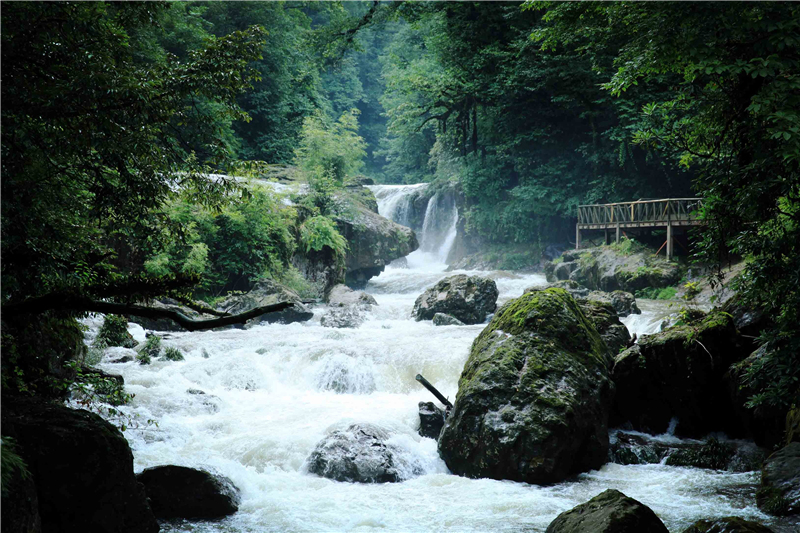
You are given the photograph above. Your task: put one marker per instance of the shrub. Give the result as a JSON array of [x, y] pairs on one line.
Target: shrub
[[320, 231], [114, 332], [172, 354]]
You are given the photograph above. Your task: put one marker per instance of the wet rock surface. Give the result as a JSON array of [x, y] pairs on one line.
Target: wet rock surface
[[181, 492], [779, 493], [608, 512], [82, 467], [638, 449], [606, 321], [468, 298], [268, 292], [431, 420], [679, 373], [730, 524], [441, 319], [360, 454], [343, 317], [534, 395]]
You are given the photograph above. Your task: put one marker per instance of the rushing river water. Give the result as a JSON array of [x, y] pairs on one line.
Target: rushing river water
[[272, 392]]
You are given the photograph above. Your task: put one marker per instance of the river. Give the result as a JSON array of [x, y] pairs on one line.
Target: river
[[272, 392]]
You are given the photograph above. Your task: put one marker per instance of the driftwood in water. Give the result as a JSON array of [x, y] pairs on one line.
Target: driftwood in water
[[434, 391]]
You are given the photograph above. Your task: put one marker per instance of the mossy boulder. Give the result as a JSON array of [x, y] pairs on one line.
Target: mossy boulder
[[779, 493], [467, 298], [729, 524], [605, 319], [534, 396], [608, 512], [679, 372], [606, 268]]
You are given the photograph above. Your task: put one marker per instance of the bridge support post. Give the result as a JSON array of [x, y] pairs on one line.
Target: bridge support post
[[607, 240], [577, 237], [617, 232], [669, 240]]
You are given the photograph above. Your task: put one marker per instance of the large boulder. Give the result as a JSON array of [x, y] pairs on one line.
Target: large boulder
[[624, 303], [82, 467], [268, 292], [342, 296], [605, 268], [534, 395], [779, 493], [360, 454], [608, 512], [729, 524], [679, 373], [467, 298], [181, 492]]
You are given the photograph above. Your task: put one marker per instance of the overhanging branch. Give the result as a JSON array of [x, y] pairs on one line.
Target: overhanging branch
[[47, 303]]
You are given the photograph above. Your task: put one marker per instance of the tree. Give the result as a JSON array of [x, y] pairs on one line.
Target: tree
[[734, 116]]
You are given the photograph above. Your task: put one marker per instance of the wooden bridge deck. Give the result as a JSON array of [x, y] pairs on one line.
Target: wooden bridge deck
[[664, 213]]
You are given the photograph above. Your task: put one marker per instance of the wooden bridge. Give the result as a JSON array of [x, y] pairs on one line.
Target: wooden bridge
[[666, 213]]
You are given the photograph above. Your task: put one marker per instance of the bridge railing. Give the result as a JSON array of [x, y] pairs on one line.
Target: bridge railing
[[665, 210]]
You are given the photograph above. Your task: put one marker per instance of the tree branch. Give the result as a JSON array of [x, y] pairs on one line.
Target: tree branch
[[58, 302]]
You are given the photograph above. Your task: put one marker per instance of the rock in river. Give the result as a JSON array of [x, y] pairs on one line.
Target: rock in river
[[729, 524], [431, 420], [467, 298], [268, 292], [780, 482], [608, 512], [534, 397], [360, 454], [180, 492]]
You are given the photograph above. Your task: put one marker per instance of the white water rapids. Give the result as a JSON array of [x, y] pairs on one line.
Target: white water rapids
[[270, 398]]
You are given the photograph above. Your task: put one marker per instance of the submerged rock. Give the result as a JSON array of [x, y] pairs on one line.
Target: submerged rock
[[467, 298], [534, 396], [431, 420], [780, 482], [180, 492], [637, 449], [360, 454], [608, 512], [343, 317], [679, 373], [441, 319], [82, 467], [343, 296], [730, 524], [268, 292]]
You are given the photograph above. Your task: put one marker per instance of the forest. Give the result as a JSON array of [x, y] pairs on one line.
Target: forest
[[154, 150]]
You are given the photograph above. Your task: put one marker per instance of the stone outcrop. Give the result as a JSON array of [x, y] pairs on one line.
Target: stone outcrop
[[534, 396], [729, 524], [624, 303], [467, 298], [268, 292], [441, 319], [604, 268], [431, 420], [679, 373], [373, 241], [180, 492], [606, 321], [82, 468], [342, 295], [608, 512], [360, 454], [779, 493]]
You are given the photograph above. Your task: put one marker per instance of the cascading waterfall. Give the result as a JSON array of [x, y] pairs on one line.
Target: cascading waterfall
[[437, 230]]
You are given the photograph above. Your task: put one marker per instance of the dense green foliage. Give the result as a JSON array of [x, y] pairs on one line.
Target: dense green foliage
[[733, 114]]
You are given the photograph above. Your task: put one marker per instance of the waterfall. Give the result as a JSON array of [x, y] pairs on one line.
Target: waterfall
[[437, 227]]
